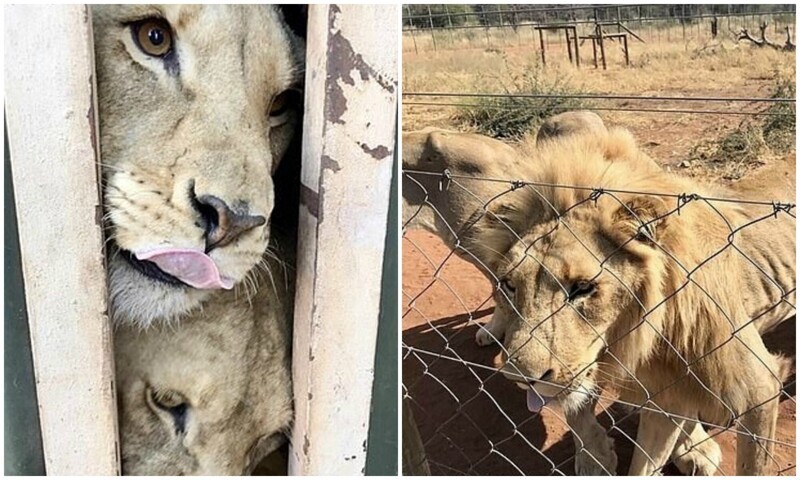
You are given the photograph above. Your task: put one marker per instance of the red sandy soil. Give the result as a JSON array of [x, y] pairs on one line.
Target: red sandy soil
[[472, 420]]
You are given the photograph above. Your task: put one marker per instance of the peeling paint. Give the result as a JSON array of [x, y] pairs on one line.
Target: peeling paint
[[310, 199], [330, 164], [342, 60], [378, 153], [306, 445]]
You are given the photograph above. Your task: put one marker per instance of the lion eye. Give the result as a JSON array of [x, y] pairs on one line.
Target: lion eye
[[171, 404], [280, 104], [507, 287], [581, 288], [153, 36]]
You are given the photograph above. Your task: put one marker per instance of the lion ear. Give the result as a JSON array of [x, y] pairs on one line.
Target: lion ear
[[493, 232], [641, 218], [296, 18]]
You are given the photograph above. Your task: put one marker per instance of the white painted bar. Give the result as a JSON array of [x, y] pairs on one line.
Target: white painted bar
[[348, 142], [51, 115]]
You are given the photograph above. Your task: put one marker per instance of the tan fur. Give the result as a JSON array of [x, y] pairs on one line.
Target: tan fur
[[230, 364], [204, 123], [222, 354], [455, 209], [570, 123], [601, 339], [483, 214]]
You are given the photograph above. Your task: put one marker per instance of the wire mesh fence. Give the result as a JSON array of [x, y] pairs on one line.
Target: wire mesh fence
[[498, 27], [696, 105], [605, 323]]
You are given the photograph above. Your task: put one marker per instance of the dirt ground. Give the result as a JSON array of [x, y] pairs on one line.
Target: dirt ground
[[476, 422]]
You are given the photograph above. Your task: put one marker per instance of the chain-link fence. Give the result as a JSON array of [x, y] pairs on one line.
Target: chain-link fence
[[619, 296], [429, 28]]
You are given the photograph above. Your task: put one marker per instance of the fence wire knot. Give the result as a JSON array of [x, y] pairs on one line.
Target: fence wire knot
[[781, 207], [444, 182], [517, 184], [596, 193], [685, 198]]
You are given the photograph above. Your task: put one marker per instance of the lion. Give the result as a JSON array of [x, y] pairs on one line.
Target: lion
[[198, 105], [501, 218], [604, 285], [580, 122], [460, 210], [211, 395]]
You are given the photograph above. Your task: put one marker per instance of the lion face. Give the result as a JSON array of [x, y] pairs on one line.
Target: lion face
[[571, 287], [211, 397], [197, 106]]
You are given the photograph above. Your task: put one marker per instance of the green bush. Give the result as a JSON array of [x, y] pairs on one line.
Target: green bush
[[513, 117], [779, 130]]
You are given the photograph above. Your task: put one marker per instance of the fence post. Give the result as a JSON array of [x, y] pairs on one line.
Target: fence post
[[348, 141], [430, 21], [541, 45], [51, 115], [602, 47]]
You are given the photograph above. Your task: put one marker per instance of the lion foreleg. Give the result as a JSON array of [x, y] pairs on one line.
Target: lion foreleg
[[655, 441], [697, 454], [753, 455], [594, 449]]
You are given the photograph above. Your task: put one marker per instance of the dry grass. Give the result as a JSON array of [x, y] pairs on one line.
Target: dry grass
[[665, 65]]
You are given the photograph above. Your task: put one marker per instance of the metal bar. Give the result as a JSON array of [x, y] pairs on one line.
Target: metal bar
[[590, 22], [21, 431], [52, 125], [605, 109], [541, 46], [348, 140], [602, 47], [625, 46], [382, 447], [589, 96]]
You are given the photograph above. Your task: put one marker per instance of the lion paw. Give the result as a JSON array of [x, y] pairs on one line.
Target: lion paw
[[703, 459], [483, 338], [603, 462]]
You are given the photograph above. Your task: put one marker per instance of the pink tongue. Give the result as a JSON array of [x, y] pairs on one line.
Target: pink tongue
[[192, 267], [536, 401]]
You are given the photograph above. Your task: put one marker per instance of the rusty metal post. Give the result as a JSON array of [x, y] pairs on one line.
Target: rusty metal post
[[575, 45], [569, 44], [602, 47], [430, 21], [51, 113], [541, 45], [625, 47], [413, 36], [349, 134]]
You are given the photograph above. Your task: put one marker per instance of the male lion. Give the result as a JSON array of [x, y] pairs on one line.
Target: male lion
[[496, 227], [660, 295], [465, 210], [198, 105]]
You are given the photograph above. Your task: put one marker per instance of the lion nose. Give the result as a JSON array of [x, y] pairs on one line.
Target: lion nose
[[222, 224], [547, 376]]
